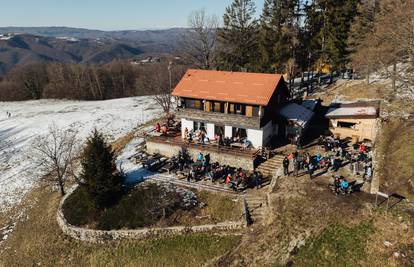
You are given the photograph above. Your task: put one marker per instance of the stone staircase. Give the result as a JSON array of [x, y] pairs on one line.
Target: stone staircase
[[270, 166], [258, 208]]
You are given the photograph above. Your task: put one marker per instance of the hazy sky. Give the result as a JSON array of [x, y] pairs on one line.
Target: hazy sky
[[107, 14]]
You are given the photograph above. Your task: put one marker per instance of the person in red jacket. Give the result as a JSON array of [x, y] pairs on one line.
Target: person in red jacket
[[228, 179]]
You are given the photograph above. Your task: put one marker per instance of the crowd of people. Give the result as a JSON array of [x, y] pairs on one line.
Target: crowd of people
[[336, 155], [200, 136], [235, 179], [341, 185], [169, 126]]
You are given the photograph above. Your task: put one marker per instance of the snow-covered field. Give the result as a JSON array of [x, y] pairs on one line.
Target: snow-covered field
[[31, 119]]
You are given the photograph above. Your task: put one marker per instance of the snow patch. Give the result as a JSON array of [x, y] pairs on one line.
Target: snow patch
[[69, 39], [30, 119], [6, 37]]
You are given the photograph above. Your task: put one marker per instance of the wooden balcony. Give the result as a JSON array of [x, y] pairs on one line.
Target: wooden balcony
[[224, 119]]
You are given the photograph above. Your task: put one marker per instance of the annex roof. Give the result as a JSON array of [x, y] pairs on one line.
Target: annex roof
[[310, 104], [354, 110], [297, 113], [237, 87]]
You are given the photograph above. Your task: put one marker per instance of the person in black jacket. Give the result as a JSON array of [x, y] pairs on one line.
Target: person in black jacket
[[286, 166]]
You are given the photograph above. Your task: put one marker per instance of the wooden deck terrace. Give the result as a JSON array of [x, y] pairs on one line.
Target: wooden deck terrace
[[178, 141]]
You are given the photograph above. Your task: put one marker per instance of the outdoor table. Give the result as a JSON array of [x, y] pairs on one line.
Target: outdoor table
[[198, 164], [155, 133], [239, 145]]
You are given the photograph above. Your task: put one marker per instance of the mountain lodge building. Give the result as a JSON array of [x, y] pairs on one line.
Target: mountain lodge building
[[232, 104]]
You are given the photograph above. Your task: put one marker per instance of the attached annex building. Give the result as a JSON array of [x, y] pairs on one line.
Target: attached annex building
[[357, 120], [232, 104]]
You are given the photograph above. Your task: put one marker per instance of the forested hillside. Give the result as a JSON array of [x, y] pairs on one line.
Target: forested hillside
[[291, 37]]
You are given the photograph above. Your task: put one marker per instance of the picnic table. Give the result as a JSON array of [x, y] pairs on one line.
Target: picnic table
[[154, 133]]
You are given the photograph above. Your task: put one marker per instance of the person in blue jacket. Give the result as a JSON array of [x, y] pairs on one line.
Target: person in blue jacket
[[200, 157], [344, 185]]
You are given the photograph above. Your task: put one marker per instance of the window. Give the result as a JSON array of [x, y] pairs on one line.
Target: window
[[198, 104], [199, 126], [239, 132], [256, 110], [240, 109], [218, 107], [343, 124], [237, 109], [252, 111], [207, 106], [193, 103], [249, 111], [232, 110], [219, 130]]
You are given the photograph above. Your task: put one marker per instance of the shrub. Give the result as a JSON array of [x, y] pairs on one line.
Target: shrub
[[77, 206]]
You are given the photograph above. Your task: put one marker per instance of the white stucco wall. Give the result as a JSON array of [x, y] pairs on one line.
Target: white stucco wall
[[255, 136], [228, 131], [258, 138], [210, 130], [186, 124]]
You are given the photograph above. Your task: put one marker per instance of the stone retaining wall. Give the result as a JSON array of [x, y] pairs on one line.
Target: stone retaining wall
[[169, 150], [99, 236]]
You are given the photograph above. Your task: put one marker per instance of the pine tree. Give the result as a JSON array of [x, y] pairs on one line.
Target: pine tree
[[238, 37], [279, 28], [99, 174], [341, 20], [329, 22], [267, 38], [310, 38]]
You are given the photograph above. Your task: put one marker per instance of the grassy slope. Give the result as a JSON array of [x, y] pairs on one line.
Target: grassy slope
[[39, 240], [396, 146], [332, 246]]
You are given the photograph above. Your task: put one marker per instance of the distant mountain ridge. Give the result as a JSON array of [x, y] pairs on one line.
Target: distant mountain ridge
[[23, 45], [131, 35]]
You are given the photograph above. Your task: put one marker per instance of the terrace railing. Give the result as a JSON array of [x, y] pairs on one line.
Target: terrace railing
[[178, 141]]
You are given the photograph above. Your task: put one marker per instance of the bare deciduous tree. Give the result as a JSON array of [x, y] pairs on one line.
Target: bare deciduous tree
[[32, 78], [56, 155], [395, 34], [159, 81], [199, 45], [382, 36]]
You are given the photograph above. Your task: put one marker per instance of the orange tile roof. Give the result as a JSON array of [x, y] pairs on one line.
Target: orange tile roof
[[237, 87]]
